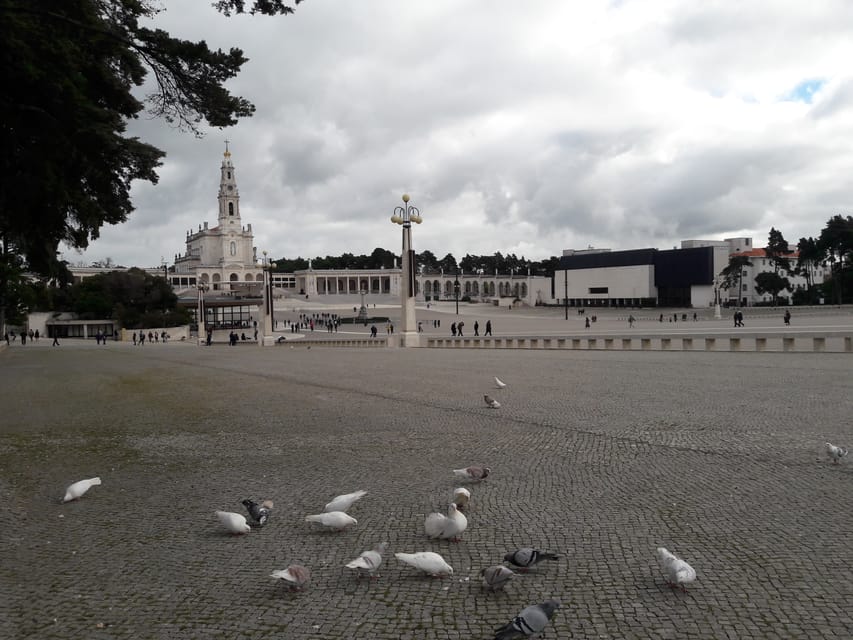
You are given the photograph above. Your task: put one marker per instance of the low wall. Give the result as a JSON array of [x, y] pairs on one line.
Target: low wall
[[800, 342]]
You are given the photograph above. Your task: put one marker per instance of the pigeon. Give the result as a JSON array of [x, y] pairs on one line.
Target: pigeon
[[834, 453], [336, 520], [527, 557], [426, 561], [473, 473], [496, 576], [499, 383], [297, 575], [531, 621], [461, 498], [344, 502], [677, 572], [233, 522], [491, 402], [450, 527], [260, 513], [368, 562], [76, 490]]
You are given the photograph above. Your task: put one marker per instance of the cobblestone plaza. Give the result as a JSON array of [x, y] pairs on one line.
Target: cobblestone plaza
[[598, 456]]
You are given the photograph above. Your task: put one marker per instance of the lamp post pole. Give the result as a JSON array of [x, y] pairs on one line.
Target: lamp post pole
[[200, 319], [456, 290], [267, 267], [405, 216], [717, 314]]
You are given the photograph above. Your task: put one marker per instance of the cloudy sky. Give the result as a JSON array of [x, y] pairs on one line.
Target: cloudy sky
[[519, 127]]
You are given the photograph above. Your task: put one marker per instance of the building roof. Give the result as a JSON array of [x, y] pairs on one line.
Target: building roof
[[760, 253]]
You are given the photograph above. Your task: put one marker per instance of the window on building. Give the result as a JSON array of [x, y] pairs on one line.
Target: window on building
[[230, 208], [744, 287], [593, 290], [233, 248]]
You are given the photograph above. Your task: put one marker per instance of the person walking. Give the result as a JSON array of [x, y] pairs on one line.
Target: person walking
[[476, 328], [488, 331], [55, 339], [787, 317]]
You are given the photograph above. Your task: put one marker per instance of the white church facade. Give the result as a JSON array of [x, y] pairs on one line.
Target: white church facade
[[222, 258]]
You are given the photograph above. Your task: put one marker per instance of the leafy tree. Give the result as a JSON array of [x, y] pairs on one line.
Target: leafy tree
[[733, 274], [836, 241], [777, 251], [428, 261], [134, 298], [381, 258], [810, 256], [772, 283], [70, 69], [447, 263]]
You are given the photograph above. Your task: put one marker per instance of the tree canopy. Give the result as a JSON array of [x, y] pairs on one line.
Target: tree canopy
[[70, 72]]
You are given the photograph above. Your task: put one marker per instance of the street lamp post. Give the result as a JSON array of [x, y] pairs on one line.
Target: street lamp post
[[405, 216], [717, 314], [267, 267], [362, 311], [200, 319], [456, 290]]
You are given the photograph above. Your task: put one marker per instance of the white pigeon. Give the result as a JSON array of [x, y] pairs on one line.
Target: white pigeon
[[297, 575], [491, 402], [461, 498], [336, 520], [835, 453], [426, 561], [368, 562], [450, 527], [499, 383], [76, 490], [474, 472], [676, 571], [233, 522], [496, 576], [344, 502]]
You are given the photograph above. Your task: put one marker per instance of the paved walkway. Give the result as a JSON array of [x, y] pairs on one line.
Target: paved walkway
[[600, 456]]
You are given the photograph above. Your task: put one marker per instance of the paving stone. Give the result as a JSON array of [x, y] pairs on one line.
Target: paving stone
[[600, 456]]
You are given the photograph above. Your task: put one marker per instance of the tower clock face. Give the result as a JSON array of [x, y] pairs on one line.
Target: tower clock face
[[230, 187]]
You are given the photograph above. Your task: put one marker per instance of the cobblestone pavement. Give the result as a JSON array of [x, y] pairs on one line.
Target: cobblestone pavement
[[600, 456]]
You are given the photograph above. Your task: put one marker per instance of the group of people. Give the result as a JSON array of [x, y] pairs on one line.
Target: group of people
[[457, 327], [11, 336], [153, 336]]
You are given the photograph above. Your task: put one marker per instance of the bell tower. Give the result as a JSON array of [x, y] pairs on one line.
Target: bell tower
[[229, 196]]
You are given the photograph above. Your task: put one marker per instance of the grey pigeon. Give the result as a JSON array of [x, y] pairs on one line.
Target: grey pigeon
[[491, 402], [260, 513], [527, 557], [474, 472], [496, 577], [531, 621]]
